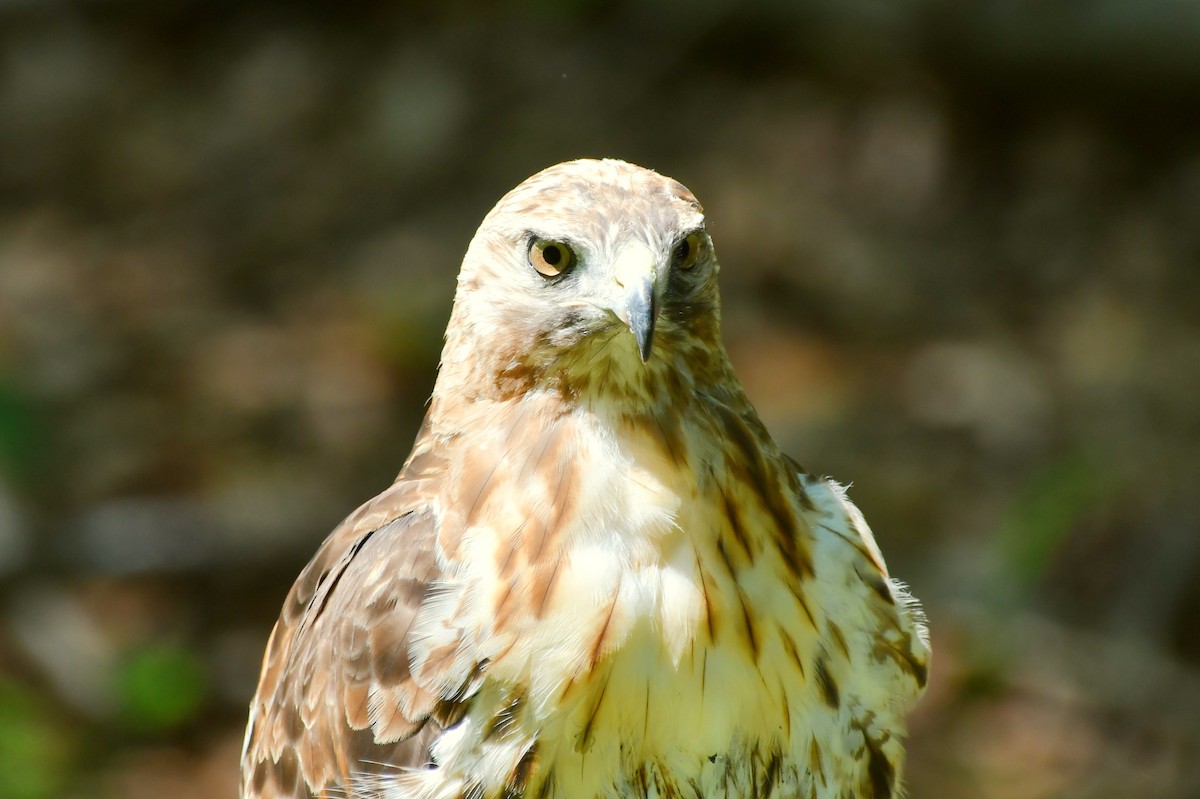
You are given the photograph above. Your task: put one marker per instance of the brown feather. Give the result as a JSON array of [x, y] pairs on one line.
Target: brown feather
[[336, 680]]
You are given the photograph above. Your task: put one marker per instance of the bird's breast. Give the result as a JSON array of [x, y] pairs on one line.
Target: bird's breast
[[657, 615], [645, 644]]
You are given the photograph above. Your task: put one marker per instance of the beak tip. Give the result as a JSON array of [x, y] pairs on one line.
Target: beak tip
[[642, 325]]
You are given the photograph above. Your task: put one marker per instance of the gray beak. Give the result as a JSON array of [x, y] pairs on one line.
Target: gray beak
[[636, 304], [641, 308]]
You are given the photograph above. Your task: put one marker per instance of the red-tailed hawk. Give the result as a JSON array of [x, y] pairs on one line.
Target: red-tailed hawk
[[596, 576]]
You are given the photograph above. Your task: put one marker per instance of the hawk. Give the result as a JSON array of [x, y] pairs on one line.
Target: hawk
[[596, 576]]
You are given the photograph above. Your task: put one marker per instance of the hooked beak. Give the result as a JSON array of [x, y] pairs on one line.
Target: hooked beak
[[637, 306]]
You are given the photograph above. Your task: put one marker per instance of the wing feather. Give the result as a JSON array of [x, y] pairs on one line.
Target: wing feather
[[900, 639], [337, 696]]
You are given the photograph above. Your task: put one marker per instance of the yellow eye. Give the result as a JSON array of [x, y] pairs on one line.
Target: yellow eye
[[687, 251], [550, 258]]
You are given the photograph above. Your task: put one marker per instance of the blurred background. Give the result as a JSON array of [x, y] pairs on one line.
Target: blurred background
[[961, 249]]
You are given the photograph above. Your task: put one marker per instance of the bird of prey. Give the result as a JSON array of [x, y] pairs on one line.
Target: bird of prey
[[596, 576]]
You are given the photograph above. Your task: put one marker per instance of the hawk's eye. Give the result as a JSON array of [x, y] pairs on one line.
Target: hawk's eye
[[550, 258], [687, 251]]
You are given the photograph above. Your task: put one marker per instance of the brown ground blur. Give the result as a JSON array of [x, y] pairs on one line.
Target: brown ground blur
[[961, 249]]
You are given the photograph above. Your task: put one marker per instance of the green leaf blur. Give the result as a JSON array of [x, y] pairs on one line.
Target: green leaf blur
[[161, 688]]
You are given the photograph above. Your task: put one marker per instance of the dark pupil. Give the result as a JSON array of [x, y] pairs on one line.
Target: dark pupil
[[551, 255], [681, 252]]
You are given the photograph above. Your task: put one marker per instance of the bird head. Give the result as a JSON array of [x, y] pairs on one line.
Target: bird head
[[590, 275]]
